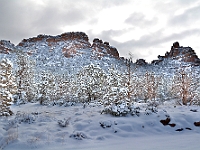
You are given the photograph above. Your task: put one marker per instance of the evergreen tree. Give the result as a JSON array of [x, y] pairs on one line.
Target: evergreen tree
[[90, 83], [46, 88], [25, 77], [62, 87], [116, 101], [7, 87]]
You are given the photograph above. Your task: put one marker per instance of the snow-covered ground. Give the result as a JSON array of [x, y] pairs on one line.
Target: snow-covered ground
[[76, 127]]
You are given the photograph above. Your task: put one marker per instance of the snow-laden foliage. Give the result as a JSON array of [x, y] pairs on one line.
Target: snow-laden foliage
[[7, 87], [46, 88], [184, 87], [52, 79], [25, 78], [115, 99], [90, 83]]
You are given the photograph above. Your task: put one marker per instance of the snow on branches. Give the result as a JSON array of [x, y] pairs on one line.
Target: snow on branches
[[7, 87]]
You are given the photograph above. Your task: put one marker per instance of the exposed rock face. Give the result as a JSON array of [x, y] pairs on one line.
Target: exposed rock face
[[71, 44], [6, 47], [185, 54], [101, 48]]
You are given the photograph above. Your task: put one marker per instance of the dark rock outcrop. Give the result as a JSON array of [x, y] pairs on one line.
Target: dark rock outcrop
[[101, 49], [181, 129], [197, 124], [177, 52], [165, 122]]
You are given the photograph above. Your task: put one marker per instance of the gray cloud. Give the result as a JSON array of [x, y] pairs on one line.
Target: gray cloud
[[51, 19], [108, 34], [157, 38], [23, 19], [189, 17], [14, 23], [138, 19], [146, 42]]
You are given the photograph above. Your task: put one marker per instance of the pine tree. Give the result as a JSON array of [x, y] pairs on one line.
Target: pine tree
[[114, 88], [90, 83], [163, 92], [128, 79], [25, 77], [7, 87], [116, 101], [62, 87], [46, 88]]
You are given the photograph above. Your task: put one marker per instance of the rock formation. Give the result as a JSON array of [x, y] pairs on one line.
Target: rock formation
[[101, 48], [177, 52], [71, 44]]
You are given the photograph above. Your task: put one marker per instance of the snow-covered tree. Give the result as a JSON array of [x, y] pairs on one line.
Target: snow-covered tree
[[164, 87], [7, 87], [46, 87], [62, 87], [116, 100], [128, 79], [182, 86], [195, 88], [116, 90], [90, 83], [147, 86], [25, 77]]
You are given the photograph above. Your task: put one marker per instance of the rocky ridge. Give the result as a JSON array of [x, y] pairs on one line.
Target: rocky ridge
[[177, 52], [70, 44]]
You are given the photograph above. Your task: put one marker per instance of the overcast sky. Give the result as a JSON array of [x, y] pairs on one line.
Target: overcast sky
[[146, 28]]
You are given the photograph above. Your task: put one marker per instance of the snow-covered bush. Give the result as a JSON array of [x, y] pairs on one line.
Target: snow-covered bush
[[152, 107], [7, 87], [117, 109], [78, 136], [25, 118], [63, 123]]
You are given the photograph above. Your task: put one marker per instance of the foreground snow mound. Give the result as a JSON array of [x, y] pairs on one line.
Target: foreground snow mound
[[76, 127]]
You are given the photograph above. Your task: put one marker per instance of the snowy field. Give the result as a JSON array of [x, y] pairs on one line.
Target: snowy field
[[57, 127]]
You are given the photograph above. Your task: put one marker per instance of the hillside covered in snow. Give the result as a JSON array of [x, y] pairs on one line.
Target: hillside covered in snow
[[63, 89]]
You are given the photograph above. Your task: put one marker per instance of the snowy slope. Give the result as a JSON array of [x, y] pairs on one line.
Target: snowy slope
[[36, 127]]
